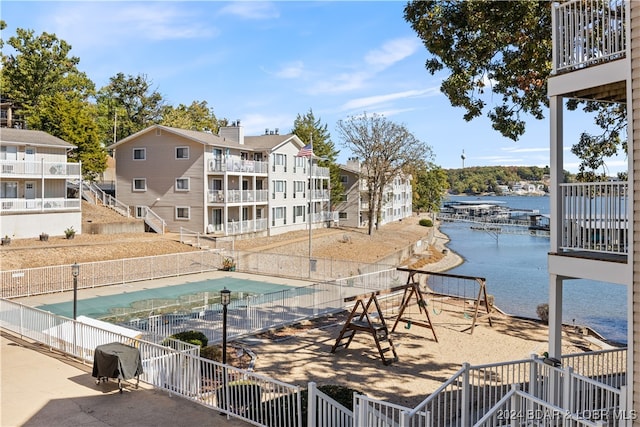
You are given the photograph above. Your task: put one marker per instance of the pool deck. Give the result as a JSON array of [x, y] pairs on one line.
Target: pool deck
[[43, 388]]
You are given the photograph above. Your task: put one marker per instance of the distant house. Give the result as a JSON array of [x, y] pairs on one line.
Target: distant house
[[354, 206], [34, 174], [225, 184]]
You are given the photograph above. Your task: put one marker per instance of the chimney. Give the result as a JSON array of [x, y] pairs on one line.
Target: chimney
[[353, 163], [235, 132]]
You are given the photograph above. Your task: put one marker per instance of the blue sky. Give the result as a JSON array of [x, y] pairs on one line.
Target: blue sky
[[266, 62]]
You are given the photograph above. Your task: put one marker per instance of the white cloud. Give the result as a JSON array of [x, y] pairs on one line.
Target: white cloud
[[344, 82], [392, 51], [255, 10], [87, 25], [363, 103], [526, 150], [291, 70]]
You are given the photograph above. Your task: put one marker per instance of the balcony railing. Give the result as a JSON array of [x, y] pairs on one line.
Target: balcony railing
[[248, 226], [38, 205], [237, 196], [23, 169], [320, 194], [320, 172], [237, 164], [594, 217], [587, 32]]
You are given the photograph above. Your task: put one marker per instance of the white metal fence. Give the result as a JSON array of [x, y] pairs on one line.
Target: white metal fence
[[252, 314], [242, 394]]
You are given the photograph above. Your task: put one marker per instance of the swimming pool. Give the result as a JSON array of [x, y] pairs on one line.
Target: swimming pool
[[168, 298]]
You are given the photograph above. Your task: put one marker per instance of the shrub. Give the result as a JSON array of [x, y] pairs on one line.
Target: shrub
[[543, 312], [192, 337], [426, 222], [212, 352], [340, 394]]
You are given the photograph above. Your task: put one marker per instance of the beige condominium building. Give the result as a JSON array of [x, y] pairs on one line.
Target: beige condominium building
[[227, 184], [34, 180], [353, 209]]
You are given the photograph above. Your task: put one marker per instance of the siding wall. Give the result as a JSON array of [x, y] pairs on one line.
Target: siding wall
[[161, 150], [635, 152]]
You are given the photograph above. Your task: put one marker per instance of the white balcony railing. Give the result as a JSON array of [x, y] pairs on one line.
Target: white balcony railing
[[237, 196], [24, 169], [320, 194], [594, 217], [320, 172], [248, 226], [237, 164], [38, 205], [586, 32]]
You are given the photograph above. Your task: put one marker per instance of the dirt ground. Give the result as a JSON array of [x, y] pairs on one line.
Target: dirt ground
[[302, 353], [336, 243]]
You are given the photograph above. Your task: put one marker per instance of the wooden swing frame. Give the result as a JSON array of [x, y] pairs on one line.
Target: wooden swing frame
[[364, 323], [481, 298]]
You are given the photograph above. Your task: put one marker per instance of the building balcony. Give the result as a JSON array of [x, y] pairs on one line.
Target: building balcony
[[320, 195], [319, 172], [247, 226], [25, 170], [235, 164], [586, 33], [237, 196], [10, 206]]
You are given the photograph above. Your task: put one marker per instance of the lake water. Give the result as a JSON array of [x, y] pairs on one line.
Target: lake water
[[515, 267]]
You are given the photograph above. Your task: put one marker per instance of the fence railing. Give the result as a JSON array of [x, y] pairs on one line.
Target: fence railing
[[251, 314], [42, 169], [43, 280], [518, 408], [595, 217], [323, 411], [240, 393], [471, 393], [39, 205], [586, 32], [106, 199]]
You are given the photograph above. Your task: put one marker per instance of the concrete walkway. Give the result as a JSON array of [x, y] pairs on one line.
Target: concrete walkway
[[43, 388]]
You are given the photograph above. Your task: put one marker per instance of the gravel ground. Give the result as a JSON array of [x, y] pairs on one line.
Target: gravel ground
[[332, 243]]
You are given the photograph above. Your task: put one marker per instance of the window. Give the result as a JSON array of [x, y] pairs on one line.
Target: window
[[139, 154], [301, 162], [8, 190], [141, 211], [182, 184], [299, 211], [342, 215], [182, 152], [343, 197], [280, 160], [344, 179], [279, 186], [140, 184], [279, 214], [183, 212], [299, 186]]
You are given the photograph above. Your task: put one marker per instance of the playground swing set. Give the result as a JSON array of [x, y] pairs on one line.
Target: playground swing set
[[364, 319]]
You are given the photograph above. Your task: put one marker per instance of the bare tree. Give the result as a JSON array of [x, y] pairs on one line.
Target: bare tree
[[386, 149]]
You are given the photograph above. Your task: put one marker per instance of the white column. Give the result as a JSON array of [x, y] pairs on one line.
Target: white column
[[555, 315]]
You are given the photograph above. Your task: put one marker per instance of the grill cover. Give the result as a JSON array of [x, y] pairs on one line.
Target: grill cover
[[116, 360]]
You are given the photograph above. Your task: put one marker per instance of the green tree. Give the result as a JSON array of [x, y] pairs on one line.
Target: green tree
[[386, 149], [429, 188], [309, 129], [197, 116], [131, 105], [504, 48], [43, 80]]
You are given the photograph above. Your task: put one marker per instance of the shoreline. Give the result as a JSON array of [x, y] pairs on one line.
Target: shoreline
[[453, 259]]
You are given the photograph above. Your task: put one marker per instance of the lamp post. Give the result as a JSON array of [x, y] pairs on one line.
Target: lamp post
[[75, 271], [225, 299]]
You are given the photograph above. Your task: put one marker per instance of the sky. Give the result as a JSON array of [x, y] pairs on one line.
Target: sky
[[264, 63]]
